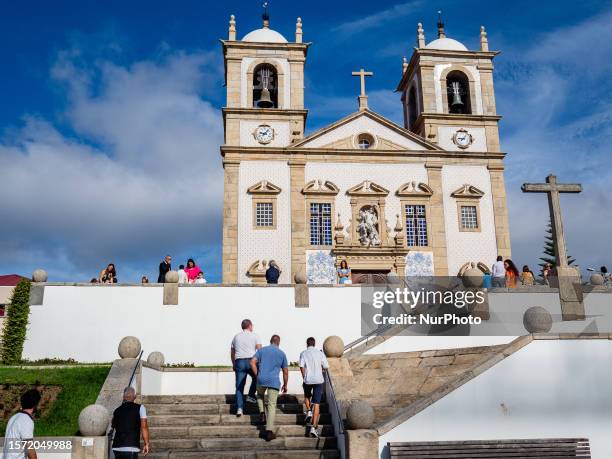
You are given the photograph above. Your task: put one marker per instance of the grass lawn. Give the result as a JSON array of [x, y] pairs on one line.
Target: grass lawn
[[79, 387]]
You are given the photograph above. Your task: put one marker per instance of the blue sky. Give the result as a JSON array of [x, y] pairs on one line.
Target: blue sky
[[110, 123]]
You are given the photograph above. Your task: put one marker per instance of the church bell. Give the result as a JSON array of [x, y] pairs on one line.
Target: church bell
[[265, 101], [456, 90]]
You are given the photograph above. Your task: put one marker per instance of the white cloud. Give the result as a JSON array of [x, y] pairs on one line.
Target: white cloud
[[144, 178], [377, 19]]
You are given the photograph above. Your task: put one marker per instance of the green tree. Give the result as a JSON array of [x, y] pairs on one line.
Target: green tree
[[549, 249], [14, 333]]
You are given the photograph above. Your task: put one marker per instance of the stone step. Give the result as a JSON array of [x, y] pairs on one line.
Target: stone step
[[243, 444], [214, 398], [252, 453], [236, 431], [214, 408], [227, 419]]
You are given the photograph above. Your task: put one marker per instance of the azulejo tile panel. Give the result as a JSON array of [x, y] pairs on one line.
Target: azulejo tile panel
[[419, 264], [320, 267]]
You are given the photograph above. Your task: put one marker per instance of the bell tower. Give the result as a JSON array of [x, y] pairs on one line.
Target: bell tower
[[447, 93], [264, 78]]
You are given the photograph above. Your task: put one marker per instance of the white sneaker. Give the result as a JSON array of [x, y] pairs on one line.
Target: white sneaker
[[251, 399], [239, 412], [314, 432], [308, 417]]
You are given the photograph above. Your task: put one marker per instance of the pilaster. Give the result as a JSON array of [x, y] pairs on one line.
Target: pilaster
[[297, 177], [436, 217], [500, 209], [230, 221]]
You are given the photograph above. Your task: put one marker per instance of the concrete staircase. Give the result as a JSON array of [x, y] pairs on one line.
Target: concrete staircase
[[206, 426]]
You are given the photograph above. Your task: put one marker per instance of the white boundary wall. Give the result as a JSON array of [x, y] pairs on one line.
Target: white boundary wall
[[548, 389], [86, 322]]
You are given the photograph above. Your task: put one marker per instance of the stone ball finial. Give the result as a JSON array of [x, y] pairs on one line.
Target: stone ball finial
[[597, 279], [360, 415], [93, 421], [129, 347], [300, 277], [333, 346], [39, 275], [156, 359], [473, 277], [171, 277], [537, 320]]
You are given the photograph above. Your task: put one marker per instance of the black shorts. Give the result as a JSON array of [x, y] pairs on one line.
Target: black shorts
[[314, 392]]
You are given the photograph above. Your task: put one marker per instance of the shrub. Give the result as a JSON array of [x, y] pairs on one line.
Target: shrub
[[15, 325]]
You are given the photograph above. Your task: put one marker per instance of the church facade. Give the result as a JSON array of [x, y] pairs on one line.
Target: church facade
[[425, 198]]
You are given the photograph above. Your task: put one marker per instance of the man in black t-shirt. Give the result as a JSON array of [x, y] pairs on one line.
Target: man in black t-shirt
[[129, 422]]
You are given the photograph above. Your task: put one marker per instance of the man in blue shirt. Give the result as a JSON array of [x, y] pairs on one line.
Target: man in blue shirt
[[266, 364]]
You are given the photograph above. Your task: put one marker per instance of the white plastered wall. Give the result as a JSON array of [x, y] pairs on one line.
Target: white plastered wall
[[259, 244], [468, 246]]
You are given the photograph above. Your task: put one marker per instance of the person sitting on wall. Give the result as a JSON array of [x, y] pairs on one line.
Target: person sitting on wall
[[108, 275], [144, 280], [200, 278], [527, 277], [192, 271], [344, 273], [273, 273]]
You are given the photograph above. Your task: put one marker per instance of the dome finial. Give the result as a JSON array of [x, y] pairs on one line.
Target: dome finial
[[420, 36], [441, 33], [265, 16], [484, 42], [232, 28]]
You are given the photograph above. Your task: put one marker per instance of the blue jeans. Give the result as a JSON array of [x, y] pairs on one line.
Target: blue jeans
[[242, 368]]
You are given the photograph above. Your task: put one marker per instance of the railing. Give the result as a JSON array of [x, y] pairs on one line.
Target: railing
[[365, 338], [135, 368], [336, 414]]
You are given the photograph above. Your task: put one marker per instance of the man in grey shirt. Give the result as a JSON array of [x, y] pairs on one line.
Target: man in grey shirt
[[244, 346]]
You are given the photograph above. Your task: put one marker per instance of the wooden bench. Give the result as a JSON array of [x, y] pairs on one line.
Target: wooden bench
[[492, 449]]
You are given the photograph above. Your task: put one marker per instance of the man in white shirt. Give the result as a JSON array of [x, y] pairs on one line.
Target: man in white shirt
[[312, 364], [244, 346], [182, 275], [498, 273], [20, 428]]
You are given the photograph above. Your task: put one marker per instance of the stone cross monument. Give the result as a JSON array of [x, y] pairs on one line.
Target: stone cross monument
[[569, 283]]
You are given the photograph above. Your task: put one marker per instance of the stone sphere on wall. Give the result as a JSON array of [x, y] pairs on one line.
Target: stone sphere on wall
[[333, 346], [171, 277], [93, 421], [473, 278], [300, 277], [129, 347], [39, 275], [597, 279], [156, 359], [537, 320], [360, 415]]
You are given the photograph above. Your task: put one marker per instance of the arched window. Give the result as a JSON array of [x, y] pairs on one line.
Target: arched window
[[265, 87], [412, 107], [458, 91]]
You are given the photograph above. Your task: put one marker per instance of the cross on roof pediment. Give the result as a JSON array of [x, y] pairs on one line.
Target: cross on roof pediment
[[264, 187], [467, 191], [414, 189], [320, 187], [367, 188]]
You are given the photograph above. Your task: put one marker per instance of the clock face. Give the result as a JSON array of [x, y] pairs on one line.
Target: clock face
[[462, 138], [264, 134]]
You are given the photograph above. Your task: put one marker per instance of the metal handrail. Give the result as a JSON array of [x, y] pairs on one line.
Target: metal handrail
[[335, 402], [135, 368], [367, 337]]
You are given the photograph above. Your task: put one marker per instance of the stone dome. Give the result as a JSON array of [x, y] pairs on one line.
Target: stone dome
[[264, 35], [446, 44]]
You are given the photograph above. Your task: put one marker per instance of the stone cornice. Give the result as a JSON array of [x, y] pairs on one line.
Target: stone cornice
[[236, 151], [260, 45]]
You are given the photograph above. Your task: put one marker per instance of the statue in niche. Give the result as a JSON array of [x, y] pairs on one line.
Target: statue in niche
[[367, 227]]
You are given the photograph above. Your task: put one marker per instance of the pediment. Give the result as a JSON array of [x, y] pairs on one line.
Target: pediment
[[343, 135], [367, 188], [264, 187], [467, 191], [320, 187], [414, 189]]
